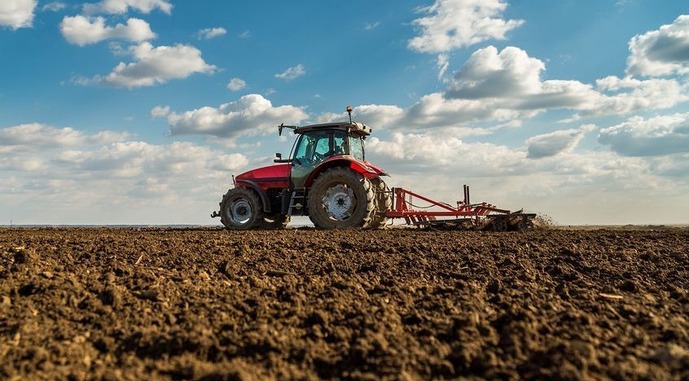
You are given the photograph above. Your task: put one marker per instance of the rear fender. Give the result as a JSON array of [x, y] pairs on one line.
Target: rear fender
[[365, 169], [260, 191]]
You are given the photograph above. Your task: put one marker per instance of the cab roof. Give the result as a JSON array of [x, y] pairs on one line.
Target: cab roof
[[357, 128]]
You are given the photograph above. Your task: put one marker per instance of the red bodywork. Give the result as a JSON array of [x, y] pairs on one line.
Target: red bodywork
[[270, 177], [278, 176]]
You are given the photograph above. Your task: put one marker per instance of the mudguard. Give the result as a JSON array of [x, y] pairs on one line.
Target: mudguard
[[260, 191], [365, 168]]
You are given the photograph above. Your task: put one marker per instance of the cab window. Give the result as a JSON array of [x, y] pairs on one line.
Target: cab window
[[316, 146], [356, 147]]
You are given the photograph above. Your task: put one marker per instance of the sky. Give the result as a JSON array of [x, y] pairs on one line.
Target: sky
[[140, 111]]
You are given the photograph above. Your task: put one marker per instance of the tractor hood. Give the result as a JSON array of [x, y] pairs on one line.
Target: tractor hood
[[277, 172]]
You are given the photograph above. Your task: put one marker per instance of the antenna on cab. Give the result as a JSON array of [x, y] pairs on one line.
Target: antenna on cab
[[349, 111]]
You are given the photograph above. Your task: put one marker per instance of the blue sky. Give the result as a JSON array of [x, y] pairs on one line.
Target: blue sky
[[139, 111]]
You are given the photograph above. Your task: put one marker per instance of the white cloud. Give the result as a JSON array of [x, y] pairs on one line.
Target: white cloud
[[17, 14], [250, 115], [452, 24], [130, 159], [371, 25], [437, 111], [79, 177], [122, 6], [660, 135], [377, 116], [556, 142], [53, 7], [443, 63], [661, 52], [41, 135], [209, 33], [236, 84], [440, 152], [620, 96], [507, 84], [292, 73], [81, 30], [157, 65], [514, 78], [160, 111]]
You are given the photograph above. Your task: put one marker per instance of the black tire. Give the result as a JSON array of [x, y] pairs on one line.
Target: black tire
[[383, 201], [277, 221], [241, 209], [341, 199]]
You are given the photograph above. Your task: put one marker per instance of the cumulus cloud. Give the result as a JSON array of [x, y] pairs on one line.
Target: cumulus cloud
[[292, 73], [250, 115], [556, 142], [89, 174], [515, 78], [437, 111], [452, 24], [660, 135], [661, 52], [209, 33], [236, 84], [42, 135], [621, 96], [494, 85], [122, 6], [132, 158], [378, 116], [157, 65], [444, 153], [81, 30], [16, 14]]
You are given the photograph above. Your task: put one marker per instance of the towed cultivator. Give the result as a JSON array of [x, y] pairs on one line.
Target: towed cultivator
[[464, 215], [328, 179]]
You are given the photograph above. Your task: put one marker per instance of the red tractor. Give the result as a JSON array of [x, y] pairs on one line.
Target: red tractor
[[326, 177]]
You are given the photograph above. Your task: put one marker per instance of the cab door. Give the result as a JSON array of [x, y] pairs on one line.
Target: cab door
[[313, 147]]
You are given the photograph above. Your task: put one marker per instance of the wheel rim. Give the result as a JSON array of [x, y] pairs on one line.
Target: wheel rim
[[339, 202], [240, 211]]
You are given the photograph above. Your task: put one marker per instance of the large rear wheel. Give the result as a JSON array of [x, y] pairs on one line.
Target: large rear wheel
[[241, 209], [341, 199]]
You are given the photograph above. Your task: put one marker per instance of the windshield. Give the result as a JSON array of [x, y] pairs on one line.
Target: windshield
[[356, 147]]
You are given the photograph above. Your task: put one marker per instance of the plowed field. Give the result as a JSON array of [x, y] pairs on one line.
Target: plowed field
[[126, 303]]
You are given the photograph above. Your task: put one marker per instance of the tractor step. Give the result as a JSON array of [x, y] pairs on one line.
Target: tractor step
[[297, 201]]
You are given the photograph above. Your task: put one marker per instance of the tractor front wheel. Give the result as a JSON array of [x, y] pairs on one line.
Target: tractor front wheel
[[241, 209], [341, 199]]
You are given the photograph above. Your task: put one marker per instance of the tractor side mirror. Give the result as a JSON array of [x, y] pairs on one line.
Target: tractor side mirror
[[279, 159]]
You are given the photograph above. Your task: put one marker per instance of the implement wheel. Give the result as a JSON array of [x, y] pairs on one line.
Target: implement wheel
[[341, 199], [241, 209]]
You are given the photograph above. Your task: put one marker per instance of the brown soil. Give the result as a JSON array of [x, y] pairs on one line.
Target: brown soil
[[126, 303]]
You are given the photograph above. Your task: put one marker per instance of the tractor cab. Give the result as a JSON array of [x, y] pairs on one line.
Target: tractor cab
[[323, 142]]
